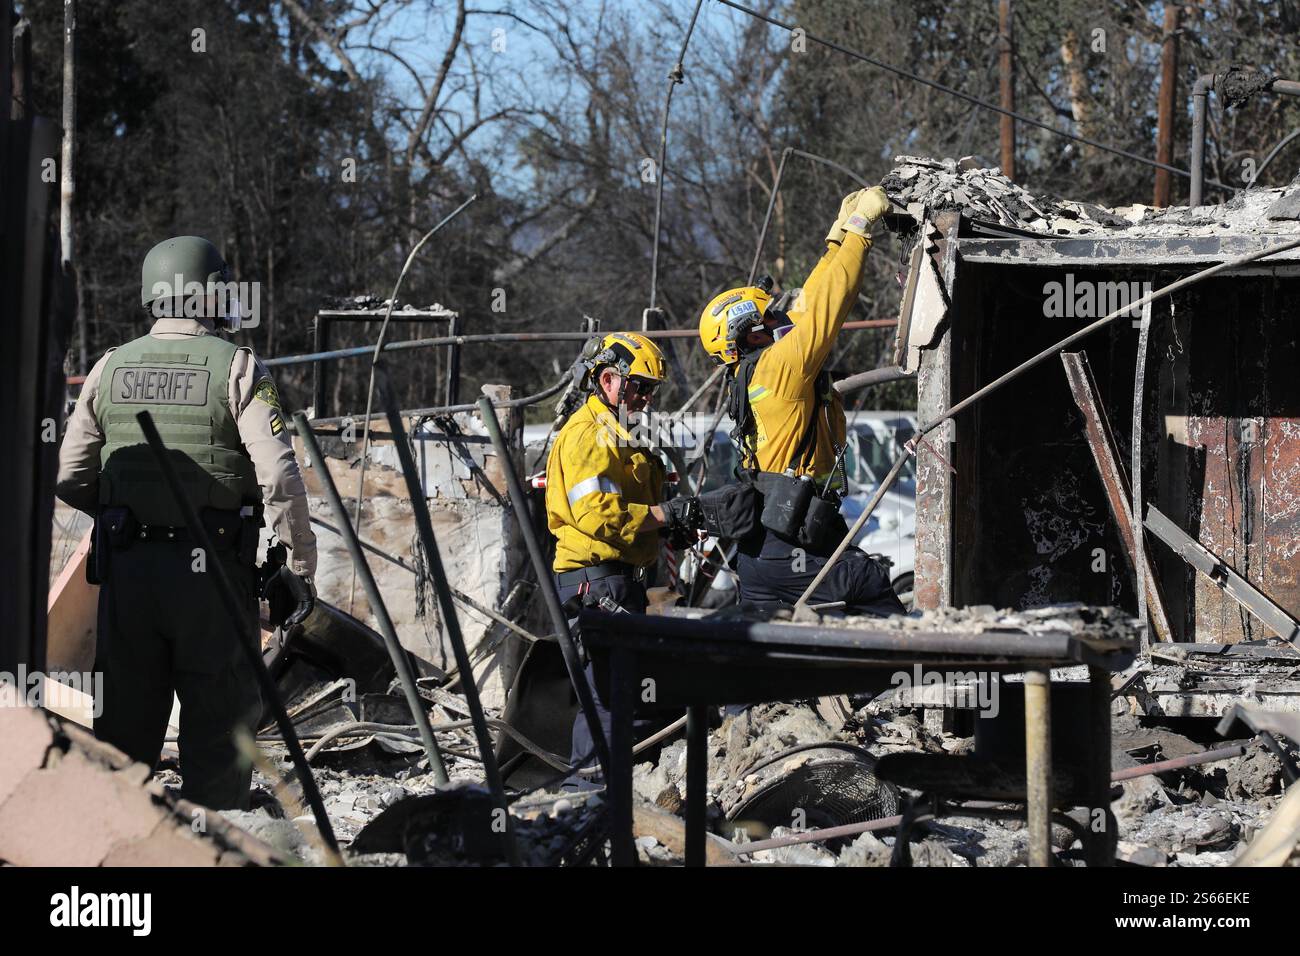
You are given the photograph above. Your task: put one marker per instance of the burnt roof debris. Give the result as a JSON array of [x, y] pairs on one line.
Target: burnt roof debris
[[925, 186]]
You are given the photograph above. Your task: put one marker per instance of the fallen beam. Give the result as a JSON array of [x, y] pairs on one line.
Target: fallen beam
[[1225, 578], [1101, 440]]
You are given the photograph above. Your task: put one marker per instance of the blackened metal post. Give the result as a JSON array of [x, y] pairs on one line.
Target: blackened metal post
[[420, 506], [395, 651], [320, 343], [453, 362], [241, 624], [546, 584], [697, 782]]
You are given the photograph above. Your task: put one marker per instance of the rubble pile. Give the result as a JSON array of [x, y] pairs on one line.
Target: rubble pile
[[923, 186]]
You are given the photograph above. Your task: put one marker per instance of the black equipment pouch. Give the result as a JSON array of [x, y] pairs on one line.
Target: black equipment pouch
[[277, 556], [731, 511], [115, 530], [823, 525], [785, 502]]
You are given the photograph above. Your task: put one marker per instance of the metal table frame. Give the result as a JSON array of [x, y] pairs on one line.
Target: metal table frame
[[697, 663]]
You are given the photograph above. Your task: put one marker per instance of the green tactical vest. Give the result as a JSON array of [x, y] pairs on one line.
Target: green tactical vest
[[183, 384]]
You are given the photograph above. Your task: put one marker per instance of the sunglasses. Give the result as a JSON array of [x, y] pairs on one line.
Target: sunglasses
[[641, 386]]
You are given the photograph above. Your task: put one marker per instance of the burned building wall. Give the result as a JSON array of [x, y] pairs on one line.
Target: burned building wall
[[1030, 523], [1224, 446], [1221, 444]]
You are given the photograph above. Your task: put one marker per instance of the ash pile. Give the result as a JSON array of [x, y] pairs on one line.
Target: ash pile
[[923, 185], [783, 774]]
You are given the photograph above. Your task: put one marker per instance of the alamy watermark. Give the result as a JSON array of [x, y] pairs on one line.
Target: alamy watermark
[[56, 690], [966, 690], [1086, 299], [211, 300]]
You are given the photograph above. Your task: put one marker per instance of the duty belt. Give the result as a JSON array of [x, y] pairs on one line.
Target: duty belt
[[606, 569]]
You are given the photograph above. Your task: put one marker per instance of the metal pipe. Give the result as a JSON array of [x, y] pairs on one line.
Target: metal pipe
[[1038, 765], [450, 340], [546, 584], [1135, 474], [767, 216], [243, 629], [1267, 159], [876, 376], [1200, 98], [396, 653], [423, 523], [1179, 763], [451, 409], [675, 76]]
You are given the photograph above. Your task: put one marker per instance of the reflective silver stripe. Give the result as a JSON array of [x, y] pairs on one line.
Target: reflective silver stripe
[[591, 485]]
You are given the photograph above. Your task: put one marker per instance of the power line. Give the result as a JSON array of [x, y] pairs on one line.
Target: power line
[[790, 28]]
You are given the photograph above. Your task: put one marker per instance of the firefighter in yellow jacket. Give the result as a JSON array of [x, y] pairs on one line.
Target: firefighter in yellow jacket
[[604, 494], [789, 421]]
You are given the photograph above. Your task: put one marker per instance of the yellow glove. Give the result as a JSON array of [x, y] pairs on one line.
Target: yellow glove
[[846, 208], [869, 206]]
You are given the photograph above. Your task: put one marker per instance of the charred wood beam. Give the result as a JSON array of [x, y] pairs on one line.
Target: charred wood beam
[[1101, 440]]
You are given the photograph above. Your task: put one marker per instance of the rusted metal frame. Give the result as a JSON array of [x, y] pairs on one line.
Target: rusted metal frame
[[321, 324], [1181, 252], [1220, 574], [387, 630], [1101, 441], [243, 627], [442, 587]]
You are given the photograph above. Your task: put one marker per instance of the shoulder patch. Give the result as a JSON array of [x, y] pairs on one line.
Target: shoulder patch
[[265, 392]]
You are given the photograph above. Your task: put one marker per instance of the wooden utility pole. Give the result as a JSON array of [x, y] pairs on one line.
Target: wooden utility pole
[[1168, 96], [1007, 83]]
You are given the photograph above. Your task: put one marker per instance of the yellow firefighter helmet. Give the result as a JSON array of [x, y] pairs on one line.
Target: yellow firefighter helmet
[[729, 317], [632, 355]]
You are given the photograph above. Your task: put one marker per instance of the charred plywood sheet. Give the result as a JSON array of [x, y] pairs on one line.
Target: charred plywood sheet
[[1031, 523], [1230, 463]]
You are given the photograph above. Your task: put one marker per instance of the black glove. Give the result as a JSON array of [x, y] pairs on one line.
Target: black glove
[[291, 598], [682, 519]]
